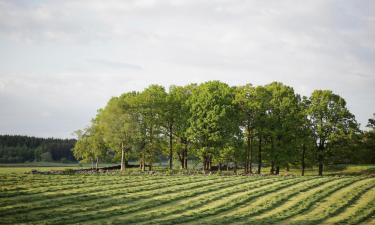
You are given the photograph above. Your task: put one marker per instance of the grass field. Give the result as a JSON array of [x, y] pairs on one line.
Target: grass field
[[146, 199]]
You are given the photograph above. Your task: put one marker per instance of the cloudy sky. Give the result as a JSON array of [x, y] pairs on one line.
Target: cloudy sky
[[62, 60]]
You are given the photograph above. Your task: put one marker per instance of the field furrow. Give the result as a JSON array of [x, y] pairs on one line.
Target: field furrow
[[212, 199]]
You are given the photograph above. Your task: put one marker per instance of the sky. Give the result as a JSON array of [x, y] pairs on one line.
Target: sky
[[60, 61]]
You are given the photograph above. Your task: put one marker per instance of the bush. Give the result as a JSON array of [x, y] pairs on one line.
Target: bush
[[46, 157]]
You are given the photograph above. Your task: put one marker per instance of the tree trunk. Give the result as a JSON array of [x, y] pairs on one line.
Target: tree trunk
[[303, 160], [287, 167], [277, 170], [122, 158], [235, 167], [97, 163], [272, 170], [204, 163], [251, 156], [92, 164], [185, 157], [143, 160], [321, 159], [143, 167], [170, 147], [247, 163], [260, 155], [209, 163], [181, 159]]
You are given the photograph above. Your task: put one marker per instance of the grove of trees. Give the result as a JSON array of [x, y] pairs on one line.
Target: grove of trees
[[227, 127], [20, 149]]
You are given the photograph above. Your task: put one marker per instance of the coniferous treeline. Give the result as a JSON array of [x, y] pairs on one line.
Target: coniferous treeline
[[18, 149], [243, 126]]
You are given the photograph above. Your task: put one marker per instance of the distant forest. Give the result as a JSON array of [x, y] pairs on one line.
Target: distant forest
[[19, 149]]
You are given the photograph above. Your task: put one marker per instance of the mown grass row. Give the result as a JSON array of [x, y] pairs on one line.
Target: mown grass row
[[93, 194], [97, 199], [144, 202]]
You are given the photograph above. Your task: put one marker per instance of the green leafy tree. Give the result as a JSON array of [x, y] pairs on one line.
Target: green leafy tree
[[150, 104], [180, 96], [82, 149], [371, 122], [261, 106], [212, 120], [283, 121], [329, 117], [245, 98], [304, 135], [118, 125]]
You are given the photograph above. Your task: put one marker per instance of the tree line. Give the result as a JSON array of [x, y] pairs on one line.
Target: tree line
[[241, 126], [20, 149]]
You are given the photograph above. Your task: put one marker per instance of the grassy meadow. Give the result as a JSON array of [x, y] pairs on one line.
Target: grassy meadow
[[345, 196]]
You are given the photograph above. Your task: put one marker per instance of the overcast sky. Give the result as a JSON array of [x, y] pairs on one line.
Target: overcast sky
[[62, 60]]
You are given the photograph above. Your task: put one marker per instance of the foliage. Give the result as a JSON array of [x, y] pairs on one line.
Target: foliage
[[241, 126], [17, 149]]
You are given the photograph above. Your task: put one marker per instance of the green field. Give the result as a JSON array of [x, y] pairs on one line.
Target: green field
[[199, 199]]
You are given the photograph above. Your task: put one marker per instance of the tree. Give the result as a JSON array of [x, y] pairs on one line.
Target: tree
[[304, 133], [213, 119], [171, 109], [283, 122], [245, 98], [181, 95], [96, 143], [261, 100], [46, 157], [82, 149], [150, 105], [118, 125], [371, 123], [329, 117]]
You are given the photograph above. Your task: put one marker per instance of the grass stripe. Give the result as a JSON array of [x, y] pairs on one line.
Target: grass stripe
[[103, 206], [181, 206], [86, 196]]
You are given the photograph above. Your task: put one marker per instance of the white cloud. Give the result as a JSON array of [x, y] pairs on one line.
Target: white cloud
[[65, 59]]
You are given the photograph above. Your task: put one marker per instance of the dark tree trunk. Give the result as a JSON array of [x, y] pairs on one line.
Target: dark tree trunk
[[209, 163], [170, 147], [247, 160], [122, 157], [320, 151], [277, 170], [181, 159], [303, 160], [287, 167], [143, 166], [235, 167], [321, 159], [251, 156], [260, 155], [185, 157], [272, 170], [205, 163]]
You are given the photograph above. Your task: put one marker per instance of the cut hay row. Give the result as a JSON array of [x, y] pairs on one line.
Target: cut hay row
[[90, 199]]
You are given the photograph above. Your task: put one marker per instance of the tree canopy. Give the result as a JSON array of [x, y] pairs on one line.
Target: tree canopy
[[241, 126]]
